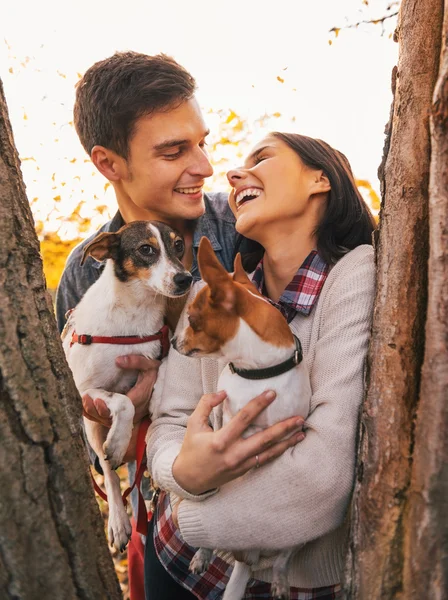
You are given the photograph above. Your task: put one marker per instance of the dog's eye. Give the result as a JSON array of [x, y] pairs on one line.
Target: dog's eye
[[179, 246], [146, 250]]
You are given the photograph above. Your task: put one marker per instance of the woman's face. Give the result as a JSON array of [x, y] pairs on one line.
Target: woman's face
[[274, 187]]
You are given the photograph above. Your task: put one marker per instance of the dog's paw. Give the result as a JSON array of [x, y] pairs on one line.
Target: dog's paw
[[119, 530], [114, 451], [280, 589], [200, 561]]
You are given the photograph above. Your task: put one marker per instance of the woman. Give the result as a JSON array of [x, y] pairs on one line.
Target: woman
[[314, 234]]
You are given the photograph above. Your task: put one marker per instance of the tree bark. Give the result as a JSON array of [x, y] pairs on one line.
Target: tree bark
[[376, 551], [426, 525], [52, 542]]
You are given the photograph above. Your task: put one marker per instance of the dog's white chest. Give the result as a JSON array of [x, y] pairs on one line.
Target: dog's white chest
[[292, 388]]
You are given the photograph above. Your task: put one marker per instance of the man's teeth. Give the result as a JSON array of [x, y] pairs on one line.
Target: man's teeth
[[188, 190], [243, 195]]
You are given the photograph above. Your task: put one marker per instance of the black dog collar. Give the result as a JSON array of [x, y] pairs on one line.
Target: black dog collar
[[269, 372]]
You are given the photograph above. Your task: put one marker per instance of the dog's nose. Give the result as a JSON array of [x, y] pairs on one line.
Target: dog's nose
[[183, 280]]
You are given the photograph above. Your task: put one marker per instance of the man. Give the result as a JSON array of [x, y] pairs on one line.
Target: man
[[137, 118]]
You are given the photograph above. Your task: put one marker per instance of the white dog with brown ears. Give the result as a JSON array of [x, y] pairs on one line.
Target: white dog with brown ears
[[229, 318], [122, 313]]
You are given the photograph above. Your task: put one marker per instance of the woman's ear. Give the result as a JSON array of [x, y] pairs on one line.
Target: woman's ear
[[322, 184]]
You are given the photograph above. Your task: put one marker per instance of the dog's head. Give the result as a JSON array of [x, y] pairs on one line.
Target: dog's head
[[227, 312], [146, 251]]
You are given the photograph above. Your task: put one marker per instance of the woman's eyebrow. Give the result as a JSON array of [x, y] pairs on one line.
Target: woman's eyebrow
[[254, 154]]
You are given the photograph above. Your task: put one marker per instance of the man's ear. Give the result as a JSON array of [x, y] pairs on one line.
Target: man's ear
[[109, 163], [105, 245], [212, 271], [239, 274]]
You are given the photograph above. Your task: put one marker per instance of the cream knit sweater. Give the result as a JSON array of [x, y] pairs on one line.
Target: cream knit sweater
[[301, 497]]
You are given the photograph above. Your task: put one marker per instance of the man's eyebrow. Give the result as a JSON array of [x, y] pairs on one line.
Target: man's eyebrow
[[173, 143]]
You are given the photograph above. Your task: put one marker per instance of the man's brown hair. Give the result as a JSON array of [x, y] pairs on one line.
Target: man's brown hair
[[114, 93]]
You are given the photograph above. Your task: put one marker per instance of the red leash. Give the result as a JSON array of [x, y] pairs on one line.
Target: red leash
[[143, 517]]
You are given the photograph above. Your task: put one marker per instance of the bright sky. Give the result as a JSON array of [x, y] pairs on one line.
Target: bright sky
[[235, 49]]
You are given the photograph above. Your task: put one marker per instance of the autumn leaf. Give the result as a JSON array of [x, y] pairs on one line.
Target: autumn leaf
[[280, 79], [11, 70], [231, 116], [73, 160], [57, 198], [106, 185]]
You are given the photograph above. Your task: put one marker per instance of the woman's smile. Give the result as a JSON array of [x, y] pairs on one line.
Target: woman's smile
[[245, 194]]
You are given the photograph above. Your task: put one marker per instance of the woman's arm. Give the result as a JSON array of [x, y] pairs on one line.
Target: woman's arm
[[303, 494]]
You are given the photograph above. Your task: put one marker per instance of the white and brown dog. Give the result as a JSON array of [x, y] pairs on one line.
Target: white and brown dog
[[229, 318], [122, 313]]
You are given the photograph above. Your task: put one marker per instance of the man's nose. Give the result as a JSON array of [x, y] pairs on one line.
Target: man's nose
[[234, 176], [202, 165]]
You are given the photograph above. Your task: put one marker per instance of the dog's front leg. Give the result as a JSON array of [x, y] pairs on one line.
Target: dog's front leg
[[122, 414], [119, 526]]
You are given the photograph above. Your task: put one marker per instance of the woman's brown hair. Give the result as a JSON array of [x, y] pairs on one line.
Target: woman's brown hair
[[347, 222]]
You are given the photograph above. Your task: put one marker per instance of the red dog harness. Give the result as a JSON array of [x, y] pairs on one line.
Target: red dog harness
[[162, 335]]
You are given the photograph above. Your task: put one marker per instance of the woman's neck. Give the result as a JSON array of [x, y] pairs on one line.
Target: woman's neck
[[283, 256]]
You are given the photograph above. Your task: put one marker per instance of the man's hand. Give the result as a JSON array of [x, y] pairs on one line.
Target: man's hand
[[209, 459], [95, 409]]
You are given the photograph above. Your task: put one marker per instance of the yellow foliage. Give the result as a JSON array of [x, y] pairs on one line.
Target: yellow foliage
[[374, 200], [54, 254], [280, 79]]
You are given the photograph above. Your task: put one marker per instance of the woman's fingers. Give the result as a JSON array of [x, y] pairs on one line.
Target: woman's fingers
[[261, 441], [235, 428], [270, 454], [200, 416]]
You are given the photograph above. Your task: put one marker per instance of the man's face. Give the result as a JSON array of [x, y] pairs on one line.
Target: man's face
[[167, 164]]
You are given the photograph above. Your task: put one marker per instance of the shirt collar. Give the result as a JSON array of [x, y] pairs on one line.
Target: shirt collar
[[302, 293]]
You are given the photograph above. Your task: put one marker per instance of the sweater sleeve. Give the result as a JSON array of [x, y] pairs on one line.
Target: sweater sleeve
[[303, 494]]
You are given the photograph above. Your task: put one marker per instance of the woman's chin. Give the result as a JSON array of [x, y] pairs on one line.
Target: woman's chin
[[248, 226]]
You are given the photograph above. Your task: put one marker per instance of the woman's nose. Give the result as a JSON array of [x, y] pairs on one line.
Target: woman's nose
[[234, 176]]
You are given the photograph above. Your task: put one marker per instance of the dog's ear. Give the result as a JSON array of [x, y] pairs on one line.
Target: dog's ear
[[105, 245], [211, 269], [222, 291], [239, 274]]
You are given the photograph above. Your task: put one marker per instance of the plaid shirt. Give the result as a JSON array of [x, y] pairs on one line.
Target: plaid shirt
[[175, 555], [303, 291]]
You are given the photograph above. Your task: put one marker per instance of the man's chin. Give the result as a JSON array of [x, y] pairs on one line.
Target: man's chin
[[190, 209]]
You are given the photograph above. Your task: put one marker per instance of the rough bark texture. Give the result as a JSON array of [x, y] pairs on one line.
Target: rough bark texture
[[52, 542], [376, 554], [426, 549]]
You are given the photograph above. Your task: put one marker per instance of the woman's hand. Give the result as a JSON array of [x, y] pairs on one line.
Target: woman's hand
[[95, 409], [209, 459]]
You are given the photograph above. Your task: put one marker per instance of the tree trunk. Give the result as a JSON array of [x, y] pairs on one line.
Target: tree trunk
[[426, 547], [377, 544], [52, 542]]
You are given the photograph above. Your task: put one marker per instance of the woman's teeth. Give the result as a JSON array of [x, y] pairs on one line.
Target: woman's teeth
[[246, 195], [195, 190]]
